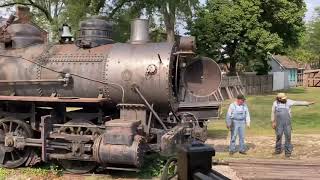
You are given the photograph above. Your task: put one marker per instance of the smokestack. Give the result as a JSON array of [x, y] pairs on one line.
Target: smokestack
[[23, 14], [139, 31]]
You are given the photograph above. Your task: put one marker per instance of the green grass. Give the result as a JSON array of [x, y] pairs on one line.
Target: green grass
[[305, 119], [46, 171]]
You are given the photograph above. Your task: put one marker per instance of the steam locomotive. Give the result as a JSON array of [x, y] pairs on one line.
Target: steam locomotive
[[96, 102]]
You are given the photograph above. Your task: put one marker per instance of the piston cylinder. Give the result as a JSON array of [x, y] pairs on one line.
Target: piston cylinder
[[120, 154]]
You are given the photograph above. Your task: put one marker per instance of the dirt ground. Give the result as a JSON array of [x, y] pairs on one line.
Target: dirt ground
[[304, 147]]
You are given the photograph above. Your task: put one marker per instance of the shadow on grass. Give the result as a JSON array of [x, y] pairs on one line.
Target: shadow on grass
[[114, 174], [218, 133]]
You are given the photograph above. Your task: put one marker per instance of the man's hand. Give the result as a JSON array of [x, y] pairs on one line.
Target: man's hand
[[311, 103], [274, 125], [228, 126]]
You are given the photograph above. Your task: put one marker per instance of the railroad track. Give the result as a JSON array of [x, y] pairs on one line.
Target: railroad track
[[264, 169]]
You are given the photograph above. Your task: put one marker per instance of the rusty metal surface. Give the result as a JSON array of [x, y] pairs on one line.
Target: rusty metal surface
[[131, 68], [134, 112], [123, 123], [23, 35], [105, 63], [12, 129], [120, 154], [147, 66], [12, 68], [52, 99], [94, 32], [172, 139], [139, 77], [70, 59], [63, 58], [202, 110], [202, 77], [33, 81], [187, 44], [150, 108], [120, 131]]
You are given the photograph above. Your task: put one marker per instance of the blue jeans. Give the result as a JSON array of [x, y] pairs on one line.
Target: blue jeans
[[238, 128]]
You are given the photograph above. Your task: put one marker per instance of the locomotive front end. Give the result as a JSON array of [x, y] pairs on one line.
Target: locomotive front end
[[96, 102]]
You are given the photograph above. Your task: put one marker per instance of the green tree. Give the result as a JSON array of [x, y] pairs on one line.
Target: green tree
[[244, 31], [170, 10], [305, 53], [285, 18], [313, 42], [50, 14], [121, 23], [309, 49], [45, 12], [48, 8]]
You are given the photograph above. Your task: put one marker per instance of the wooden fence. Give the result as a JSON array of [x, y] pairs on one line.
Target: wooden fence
[[311, 78], [300, 79], [246, 84], [231, 86]]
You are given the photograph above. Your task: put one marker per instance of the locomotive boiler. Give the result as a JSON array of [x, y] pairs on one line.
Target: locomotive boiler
[[95, 102]]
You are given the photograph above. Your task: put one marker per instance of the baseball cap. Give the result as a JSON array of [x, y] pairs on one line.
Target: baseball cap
[[240, 96]]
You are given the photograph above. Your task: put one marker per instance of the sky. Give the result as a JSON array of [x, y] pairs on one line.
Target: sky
[[311, 5]]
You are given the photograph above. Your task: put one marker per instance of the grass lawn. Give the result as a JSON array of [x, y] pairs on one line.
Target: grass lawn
[[260, 137], [306, 120]]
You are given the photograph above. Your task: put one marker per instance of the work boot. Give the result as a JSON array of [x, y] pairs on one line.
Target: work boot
[[231, 153], [288, 155], [276, 152], [243, 152]]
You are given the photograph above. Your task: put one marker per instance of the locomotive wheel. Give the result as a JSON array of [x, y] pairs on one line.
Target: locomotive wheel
[[78, 167], [170, 169], [11, 157], [84, 130]]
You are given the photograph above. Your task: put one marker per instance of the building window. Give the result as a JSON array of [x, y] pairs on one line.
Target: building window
[[292, 75]]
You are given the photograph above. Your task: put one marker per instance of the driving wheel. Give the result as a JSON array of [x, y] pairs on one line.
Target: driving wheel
[[10, 129]]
